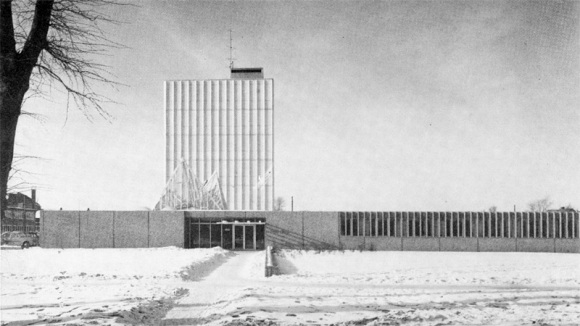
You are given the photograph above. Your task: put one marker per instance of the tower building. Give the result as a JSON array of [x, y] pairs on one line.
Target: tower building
[[223, 128]]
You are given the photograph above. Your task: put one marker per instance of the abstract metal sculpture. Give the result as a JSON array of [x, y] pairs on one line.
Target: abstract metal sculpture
[[184, 191]]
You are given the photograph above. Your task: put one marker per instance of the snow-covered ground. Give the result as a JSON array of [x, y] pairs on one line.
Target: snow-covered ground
[[213, 286], [94, 285], [391, 288], [424, 268], [430, 288]]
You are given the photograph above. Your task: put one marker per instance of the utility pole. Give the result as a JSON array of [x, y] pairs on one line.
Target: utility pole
[[231, 58], [292, 203]]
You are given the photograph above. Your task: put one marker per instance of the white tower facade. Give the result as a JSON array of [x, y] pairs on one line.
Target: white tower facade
[[224, 126]]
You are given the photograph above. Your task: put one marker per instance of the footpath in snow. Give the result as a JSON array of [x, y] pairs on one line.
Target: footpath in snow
[[212, 298]]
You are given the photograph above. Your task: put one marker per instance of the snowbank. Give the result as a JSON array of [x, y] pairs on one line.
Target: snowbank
[[38, 262]]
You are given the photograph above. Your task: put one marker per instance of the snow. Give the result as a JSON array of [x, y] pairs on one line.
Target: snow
[[457, 268], [38, 262], [69, 284], [392, 288], [426, 288], [215, 287], [415, 288]]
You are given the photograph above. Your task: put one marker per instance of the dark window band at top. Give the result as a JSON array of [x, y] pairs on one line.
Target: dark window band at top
[[247, 70]]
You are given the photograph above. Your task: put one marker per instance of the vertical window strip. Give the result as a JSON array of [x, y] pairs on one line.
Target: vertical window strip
[[383, 224], [408, 224], [350, 224], [452, 229], [559, 231], [412, 219], [445, 225], [428, 224], [392, 222], [534, 233], [528, 222], [439, 224]]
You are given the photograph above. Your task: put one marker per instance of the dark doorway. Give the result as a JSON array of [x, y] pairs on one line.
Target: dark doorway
[[238, 237], [250, 237], [227, 236], [204, 235], [232, 233], [260, 236]]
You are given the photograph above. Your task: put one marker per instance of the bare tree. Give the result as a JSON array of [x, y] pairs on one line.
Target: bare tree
[[48, 43], [492, 209], [18, 179], [279, 204], [540, 205]]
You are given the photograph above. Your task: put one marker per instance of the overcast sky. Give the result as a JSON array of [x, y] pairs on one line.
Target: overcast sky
[[379, 105]]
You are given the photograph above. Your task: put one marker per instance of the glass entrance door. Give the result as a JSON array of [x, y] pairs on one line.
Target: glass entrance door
[[243, 237], [238, 237], [250, 237], [227, 236], [230, 232]]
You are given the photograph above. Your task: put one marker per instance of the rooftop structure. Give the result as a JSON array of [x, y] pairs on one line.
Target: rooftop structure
[[247, 73]]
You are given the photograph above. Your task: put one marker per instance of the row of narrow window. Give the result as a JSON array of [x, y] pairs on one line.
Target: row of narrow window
[[209, 133], [461, 224], [221, 159], [198, 108]]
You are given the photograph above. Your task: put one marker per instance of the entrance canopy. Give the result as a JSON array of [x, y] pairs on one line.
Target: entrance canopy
[[241, 223]]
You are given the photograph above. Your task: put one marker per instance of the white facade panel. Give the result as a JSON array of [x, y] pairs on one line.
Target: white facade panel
[[224, 126]]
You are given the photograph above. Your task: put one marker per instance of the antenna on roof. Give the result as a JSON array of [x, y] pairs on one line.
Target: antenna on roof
[[231, 58]]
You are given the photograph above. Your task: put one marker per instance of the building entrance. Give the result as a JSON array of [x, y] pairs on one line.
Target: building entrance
[[243, 237], [229, 233]]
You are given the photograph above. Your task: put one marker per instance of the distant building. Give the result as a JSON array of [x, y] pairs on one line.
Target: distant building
[[21, 212], [562, 210], [224, 128]]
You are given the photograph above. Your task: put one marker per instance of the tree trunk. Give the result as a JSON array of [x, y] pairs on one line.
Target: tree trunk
[[15, 71], [9, 114]]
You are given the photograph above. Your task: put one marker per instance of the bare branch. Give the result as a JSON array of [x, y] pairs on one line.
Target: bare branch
[[540, 205], [279, 204], [50, 45], [74, 41], [19, 178]]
